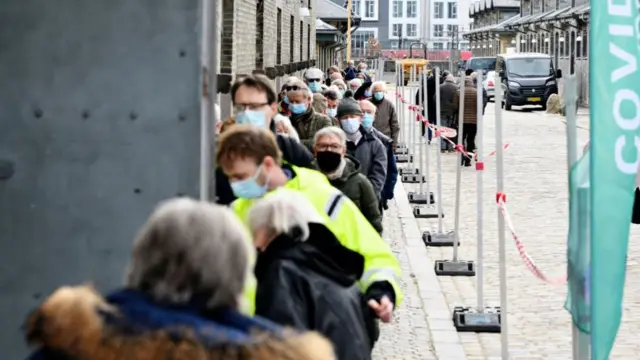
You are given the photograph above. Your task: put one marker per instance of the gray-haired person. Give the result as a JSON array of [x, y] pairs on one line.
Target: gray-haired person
[[306, 278], [181, 299], [449, 103]]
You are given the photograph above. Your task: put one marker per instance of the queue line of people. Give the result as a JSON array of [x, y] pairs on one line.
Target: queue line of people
[[289, 263]]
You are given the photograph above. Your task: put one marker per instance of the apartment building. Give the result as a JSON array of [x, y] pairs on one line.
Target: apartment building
[[445, 23]]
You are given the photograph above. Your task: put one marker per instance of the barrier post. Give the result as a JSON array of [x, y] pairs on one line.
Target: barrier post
[[478, 319], [404, 155], [401, 147], [439, 238], [504, 333], [456, 267], [412, 175], [422, 197]]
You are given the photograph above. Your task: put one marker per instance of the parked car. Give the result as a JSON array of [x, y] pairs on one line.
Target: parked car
[[481, 63], [527, 79], [488, 83]]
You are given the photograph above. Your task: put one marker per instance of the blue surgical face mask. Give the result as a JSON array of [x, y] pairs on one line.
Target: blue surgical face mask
[[367, 121], [252, 117], [249, 188], [315, 87], [342, 91], [286, 99], [367, 93], [378, 95], [350, 125], [298, 109], [332, 112]]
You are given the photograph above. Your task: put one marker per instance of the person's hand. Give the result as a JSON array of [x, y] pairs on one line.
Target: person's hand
[[383, 310]]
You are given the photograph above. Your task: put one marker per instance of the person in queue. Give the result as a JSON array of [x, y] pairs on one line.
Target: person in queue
[[254, 102], [251, 158], [341, 85], [386, 120], [430, 101], [469, 119], [355, 84], [319, 103], [342, 170], [369, 114], [334, 73], [485, 95], [306, 278], [181, 300], [350, 71], [449, 103], [304, 119], [333, 97], [364, 91], [362, 72], [283, 101], [284, 127], [314, 78], [363, 145]]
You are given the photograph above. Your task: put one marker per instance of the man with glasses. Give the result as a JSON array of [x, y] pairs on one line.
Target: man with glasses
[[305, 120], [255, 103], [314, 78]]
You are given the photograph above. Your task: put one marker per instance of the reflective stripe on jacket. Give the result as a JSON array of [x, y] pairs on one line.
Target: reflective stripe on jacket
[[346, 222]]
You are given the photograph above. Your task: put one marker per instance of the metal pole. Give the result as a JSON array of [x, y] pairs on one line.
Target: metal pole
[[439, 155], [406, 132], [504, 327], [412, 130], [398, 105], [349, 4], [425, 105], [459, 170], [480, 189], [580, 341], [209, 61]]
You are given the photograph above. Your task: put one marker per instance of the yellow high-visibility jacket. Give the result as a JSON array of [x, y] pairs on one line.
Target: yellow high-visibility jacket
[[346, 222]]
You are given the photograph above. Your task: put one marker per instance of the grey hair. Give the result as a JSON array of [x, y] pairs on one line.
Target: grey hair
[[381, 84], [283, 211], [302, 87], [450, 78], [338, 82], [331, 131], [368, 103], [188, 250], [355, 81]]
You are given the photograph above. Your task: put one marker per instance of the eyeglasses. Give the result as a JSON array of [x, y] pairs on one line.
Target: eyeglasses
[[329, 147], [242, 107], [313, 80], [292, 88]]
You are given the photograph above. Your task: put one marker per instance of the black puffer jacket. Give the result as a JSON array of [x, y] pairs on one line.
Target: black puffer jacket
[[312, 285]]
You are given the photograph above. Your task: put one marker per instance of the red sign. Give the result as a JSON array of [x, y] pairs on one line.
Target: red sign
[[434, 55]]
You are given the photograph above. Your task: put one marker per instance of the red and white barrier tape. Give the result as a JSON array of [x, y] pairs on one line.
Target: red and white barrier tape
[[501, 199]]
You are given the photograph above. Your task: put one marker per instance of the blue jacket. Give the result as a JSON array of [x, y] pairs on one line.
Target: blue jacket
[[392, 166], [79, 324]]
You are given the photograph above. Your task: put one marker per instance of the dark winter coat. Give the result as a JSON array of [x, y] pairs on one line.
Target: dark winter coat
[[359, 189], [386, 120], [431, 100], [77, 323], [372, 156], [449, 100], [392, 166], [308, 124], [292, 152], [312, 284]]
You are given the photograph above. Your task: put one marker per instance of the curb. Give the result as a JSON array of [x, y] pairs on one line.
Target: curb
[[444, 337]]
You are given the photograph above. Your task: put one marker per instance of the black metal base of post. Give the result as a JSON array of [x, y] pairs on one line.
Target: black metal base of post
[[426, 212], [455, 268], [420, 198], [404, 158], [485, 320], [409, 171], [439, 239], [413, 179]]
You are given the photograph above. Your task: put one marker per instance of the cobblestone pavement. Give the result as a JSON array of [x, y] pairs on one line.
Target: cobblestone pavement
[[536, 187]]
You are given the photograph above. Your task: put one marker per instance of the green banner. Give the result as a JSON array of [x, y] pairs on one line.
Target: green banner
[[615, 126]]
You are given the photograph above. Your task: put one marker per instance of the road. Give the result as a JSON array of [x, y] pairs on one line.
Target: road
[[536, 187]]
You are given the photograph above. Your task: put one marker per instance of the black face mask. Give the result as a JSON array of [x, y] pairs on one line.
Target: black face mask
[[328, 161]]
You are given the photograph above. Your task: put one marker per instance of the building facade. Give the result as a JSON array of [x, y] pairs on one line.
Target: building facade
[[275, 37], [488, 34], [398, 23]]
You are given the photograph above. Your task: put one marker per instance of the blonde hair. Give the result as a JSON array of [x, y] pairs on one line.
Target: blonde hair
[[283, 211], [191, 249]]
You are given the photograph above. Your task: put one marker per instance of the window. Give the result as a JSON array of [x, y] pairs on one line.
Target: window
[[301, 40], [412, 30], [397, 30], [394, 44], [412, 9], [397, 9], [308, 42], [355, 7], [279, 38], [438, 10], [292, 25], [359, 39], [452, 10], [259, 34], [438, 45], [452, 31], [438, 30], [370, 9]]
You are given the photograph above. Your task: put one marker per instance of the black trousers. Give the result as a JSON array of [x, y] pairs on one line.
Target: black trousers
[[469, 136]]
